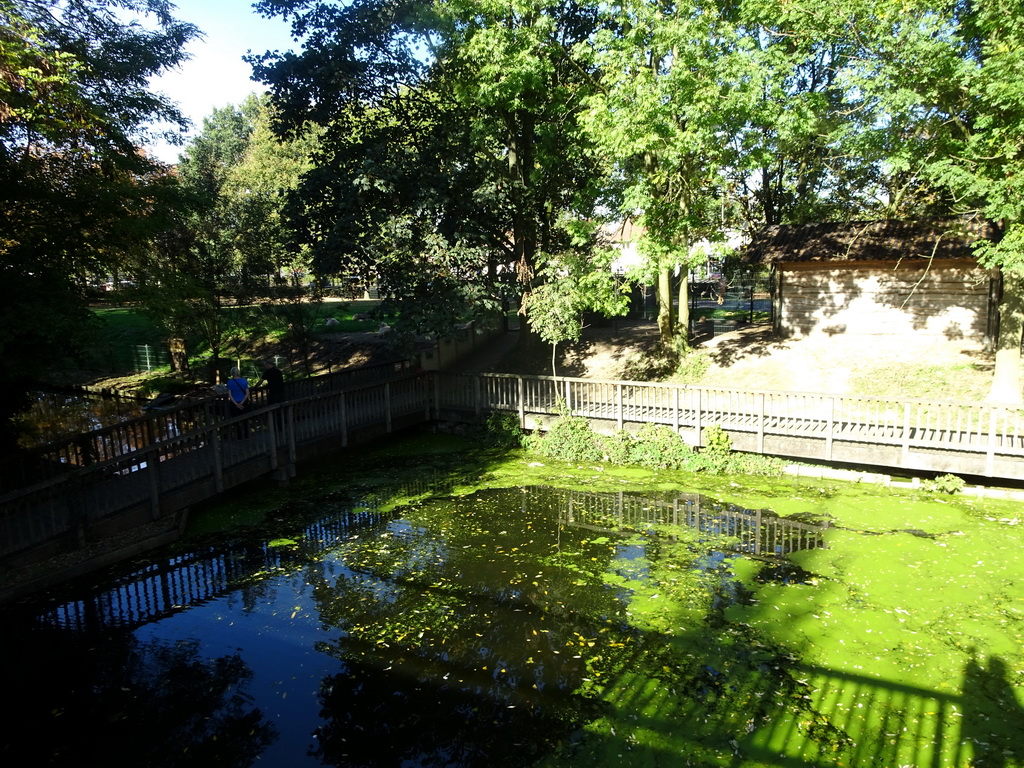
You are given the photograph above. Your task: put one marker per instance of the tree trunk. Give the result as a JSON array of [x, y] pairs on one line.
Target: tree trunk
[[683, 323], [1006, 382], [666, 316], [179, 355]]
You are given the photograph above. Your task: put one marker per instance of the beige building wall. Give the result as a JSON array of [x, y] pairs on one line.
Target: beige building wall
[[946, 298]]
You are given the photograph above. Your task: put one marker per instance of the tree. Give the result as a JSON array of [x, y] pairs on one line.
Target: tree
[[944, 81], [574, 282], [76, 194], [442, 176], [670, 92], [230, 244]]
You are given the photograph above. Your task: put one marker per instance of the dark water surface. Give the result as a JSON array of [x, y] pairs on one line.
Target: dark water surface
[[534, 626], [476, 631]]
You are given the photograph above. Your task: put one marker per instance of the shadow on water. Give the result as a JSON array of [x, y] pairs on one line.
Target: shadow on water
[[512, 627]]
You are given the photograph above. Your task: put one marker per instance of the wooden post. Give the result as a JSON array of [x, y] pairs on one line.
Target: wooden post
[[698, 413], [290, 427], [905, 453], [272, 432], [618, 404], [153, 465], [760, 422], [990, 454], [522, 401], [477, 398], [343, 404], [387, 407], [829, 426], [675, 409], [218, 465]]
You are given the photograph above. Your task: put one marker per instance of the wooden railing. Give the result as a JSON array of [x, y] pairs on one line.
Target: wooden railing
[[156, 481], [127, 437], [188, 456], [966, 438]]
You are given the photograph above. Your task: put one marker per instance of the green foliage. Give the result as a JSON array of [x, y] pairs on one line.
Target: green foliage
[[569, 438], [674, 361], [654, 446], [574, 283], [468, 171], [155, 385], [944, 484], [717, 442], [502, 430], [691, 367], [76, 197], [658, 446]]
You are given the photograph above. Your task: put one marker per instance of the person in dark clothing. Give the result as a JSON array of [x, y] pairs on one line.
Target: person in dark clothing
[[274, 380]]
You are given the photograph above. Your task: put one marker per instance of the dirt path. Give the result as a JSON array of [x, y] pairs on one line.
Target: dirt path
[[752, 358]]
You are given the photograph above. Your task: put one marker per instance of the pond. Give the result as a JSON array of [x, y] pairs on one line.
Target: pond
[[455, 623]]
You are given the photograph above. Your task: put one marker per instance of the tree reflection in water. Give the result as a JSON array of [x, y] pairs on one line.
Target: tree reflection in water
[[123, 702]]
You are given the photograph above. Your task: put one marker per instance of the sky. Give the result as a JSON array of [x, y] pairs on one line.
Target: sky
[[216, 76]]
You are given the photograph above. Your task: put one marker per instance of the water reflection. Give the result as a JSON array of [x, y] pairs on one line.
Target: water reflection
[[460, 632]]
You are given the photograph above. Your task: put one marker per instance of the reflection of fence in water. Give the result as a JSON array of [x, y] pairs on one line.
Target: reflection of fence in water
[[193, 578], [757, 531]]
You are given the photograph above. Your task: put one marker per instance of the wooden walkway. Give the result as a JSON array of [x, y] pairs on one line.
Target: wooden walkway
[[104, 482], [913, 435]]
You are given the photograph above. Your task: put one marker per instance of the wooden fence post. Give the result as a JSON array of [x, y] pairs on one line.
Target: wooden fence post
[[272, 433], [218, 463], [344, 420], [905, 449], [829, 427], [698, 413], [618, 404], [990, 453], [153, 465], [760, 422], [521, 384]]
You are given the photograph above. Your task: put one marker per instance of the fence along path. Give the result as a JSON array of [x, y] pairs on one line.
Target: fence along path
[[946, 436], [127, 437], [167, 470], [155, 482]]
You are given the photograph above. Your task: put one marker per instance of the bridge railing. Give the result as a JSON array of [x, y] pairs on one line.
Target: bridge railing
[[127, 437], [158, 479], [918, 434]]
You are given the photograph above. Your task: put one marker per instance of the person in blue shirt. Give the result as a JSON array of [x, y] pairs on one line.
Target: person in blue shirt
[[238, 399]]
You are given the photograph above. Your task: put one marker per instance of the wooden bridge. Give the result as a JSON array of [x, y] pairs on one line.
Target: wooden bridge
[[148, 471]]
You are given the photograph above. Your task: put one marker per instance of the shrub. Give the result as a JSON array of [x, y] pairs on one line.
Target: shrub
[[501, 430], [155, 385], [653, 446], [617, 448], [717, 442], [570, 438], [691, 367], [660, 447], [944, 484], [677, 361]]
